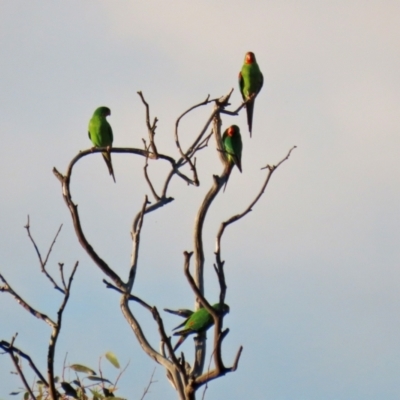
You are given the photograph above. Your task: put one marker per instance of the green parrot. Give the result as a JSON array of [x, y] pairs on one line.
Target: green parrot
[[232, 142], [199, 321], [101, 135], [250, 82]]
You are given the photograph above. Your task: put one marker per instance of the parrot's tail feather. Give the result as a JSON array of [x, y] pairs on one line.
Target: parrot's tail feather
[[183, 332], [249, 109], [179, 326], [227, 177], [179, 342], [107, 159]]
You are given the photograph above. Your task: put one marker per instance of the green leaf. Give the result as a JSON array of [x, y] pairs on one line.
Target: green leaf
[[14, 393], [82, 368], [98, 379], [26, 396], [112, 358]]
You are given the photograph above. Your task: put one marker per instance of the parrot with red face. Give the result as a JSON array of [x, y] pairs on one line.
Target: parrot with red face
[[250, 82], [232, 142]]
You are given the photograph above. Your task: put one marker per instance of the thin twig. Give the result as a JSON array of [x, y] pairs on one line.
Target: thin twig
[[235, 218], [146, 175], [135, 234], [185, 155], [208, 370], [236, 112], [131, 296], [61, 266], [18, 368], [41, 261], [120, 374], [73, 208], [151, 128], [148, 386], [193, 285]]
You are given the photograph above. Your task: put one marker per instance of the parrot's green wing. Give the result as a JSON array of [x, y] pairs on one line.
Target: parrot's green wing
[[232, 142], [194, 322], [251, 81], [101, 135], [199, 321]]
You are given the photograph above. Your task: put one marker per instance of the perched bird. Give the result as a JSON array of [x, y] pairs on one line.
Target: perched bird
[[199, 321], [250, 82], [232, 142], [101, 135]]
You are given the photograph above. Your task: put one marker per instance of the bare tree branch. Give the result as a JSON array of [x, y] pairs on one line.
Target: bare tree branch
[[73, 208], [148, 349], [236, 112], [186, 156], [176, 366], [61, 267], [218, 183], [120, 374], [8, 347], [7, 288], [151, 128], [18, 368], [131, 296], [135, 234], [41, 261], [146, 175], [54, 336], [235, 218], [149, 384], [220, 369], [65, 182]]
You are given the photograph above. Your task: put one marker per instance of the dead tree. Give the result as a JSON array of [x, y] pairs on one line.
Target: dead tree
[[185, 378]]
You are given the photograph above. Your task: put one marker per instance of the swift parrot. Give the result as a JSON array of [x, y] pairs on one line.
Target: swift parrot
[[199, 321], [101, 135], [232, 142], [250, 82]]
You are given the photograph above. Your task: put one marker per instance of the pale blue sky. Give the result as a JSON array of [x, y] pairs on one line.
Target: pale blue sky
[[313, 272]]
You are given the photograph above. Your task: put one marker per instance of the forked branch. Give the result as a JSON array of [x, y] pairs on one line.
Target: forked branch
[[41, 261], [151, 128], [235, 218]]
